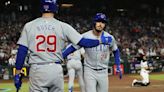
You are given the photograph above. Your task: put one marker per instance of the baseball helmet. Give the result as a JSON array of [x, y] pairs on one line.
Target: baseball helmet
[[100, 17], [49, 6]]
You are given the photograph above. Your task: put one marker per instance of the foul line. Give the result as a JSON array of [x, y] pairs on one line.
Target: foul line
[[6, 90]]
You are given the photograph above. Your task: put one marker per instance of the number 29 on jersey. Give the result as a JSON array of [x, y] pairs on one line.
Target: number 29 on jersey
[[45, 43]]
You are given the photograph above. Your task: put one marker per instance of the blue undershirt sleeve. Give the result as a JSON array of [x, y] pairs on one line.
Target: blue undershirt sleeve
[[68, 51], [117, 56], [21, 55], [88, 43], [84, 42]]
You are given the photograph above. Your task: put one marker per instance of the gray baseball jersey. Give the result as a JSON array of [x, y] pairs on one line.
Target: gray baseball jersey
[[45, 39], [98, 57], [96, 61]]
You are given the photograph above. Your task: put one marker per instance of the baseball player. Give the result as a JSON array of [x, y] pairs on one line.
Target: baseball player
[[44, 38], [74, 66], [96, 59], [144, 74]]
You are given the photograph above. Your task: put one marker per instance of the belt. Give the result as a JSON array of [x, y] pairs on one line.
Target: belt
[[96, 69], [99, 69], [45, 63], [72, 59]]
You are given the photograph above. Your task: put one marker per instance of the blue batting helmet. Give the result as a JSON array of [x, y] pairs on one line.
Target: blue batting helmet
[[49, 6], [100, 17]]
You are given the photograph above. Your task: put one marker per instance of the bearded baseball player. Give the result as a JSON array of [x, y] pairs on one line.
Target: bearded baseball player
[[144, 73], [96, 59], [44, 38], [74, 66]]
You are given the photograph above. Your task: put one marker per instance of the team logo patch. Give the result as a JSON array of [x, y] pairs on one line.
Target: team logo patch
[[109, 39]]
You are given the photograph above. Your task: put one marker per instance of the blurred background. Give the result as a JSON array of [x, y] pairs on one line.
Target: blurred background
[[137, 25]]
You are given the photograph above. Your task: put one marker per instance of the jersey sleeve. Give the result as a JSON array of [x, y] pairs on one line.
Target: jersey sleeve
[[72, 34], [23, 38]]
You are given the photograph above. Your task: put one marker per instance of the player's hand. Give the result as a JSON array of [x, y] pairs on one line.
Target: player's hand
[[18, 80], [106, 40], [118, 71]]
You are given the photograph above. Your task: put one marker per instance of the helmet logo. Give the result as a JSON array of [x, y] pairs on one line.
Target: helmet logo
[[102, 16], [49, 6], [54, 1], [50, 1], [46, 7]]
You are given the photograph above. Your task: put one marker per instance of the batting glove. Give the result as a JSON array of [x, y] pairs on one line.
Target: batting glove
[[106, 40], [18, 81], [118, 71]]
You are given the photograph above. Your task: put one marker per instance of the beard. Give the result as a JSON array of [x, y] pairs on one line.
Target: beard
[[98, 30]]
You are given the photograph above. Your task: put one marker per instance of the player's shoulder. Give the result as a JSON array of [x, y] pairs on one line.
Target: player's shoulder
[[107, 34], [87, 33], [32, 22]]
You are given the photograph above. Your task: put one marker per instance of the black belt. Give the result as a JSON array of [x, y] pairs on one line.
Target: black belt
[[45, 63], [99, 69], [96, 69], [72, 59]]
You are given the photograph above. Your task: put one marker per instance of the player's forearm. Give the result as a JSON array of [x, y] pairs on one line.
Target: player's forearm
[[21, 55], [117, 56], [68, 51]]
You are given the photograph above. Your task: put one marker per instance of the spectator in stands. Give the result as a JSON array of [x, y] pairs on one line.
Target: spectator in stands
[[12, 60]]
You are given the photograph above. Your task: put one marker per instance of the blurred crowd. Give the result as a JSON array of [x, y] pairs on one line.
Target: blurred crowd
[[135, 36]]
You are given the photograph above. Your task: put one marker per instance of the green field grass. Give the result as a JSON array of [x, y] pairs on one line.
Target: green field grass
[[152, 77], [9, 87], [157, 77]]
